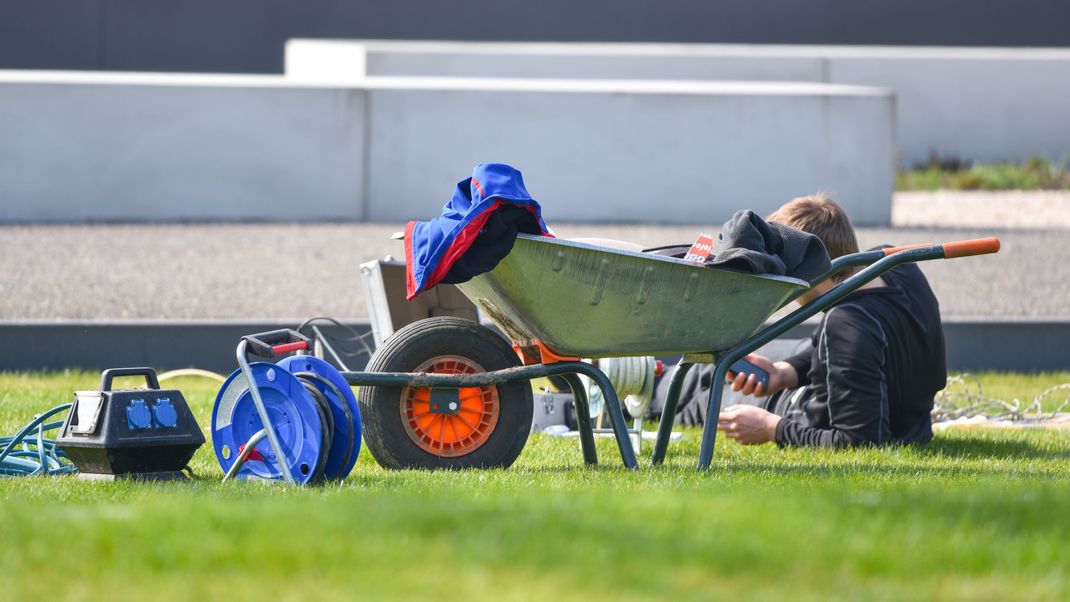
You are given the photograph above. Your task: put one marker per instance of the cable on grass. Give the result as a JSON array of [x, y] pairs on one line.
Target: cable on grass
[[970, 401], [29, 453], [191, 372], [341, 348]]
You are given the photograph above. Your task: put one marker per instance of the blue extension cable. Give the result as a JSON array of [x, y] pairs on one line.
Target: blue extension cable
[[36, 455]]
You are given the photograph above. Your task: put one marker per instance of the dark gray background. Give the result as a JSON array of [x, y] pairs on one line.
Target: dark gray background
[[248, 35], [981, 344]]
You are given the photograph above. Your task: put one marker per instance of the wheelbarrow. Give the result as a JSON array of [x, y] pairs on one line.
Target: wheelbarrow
[[450, 393]]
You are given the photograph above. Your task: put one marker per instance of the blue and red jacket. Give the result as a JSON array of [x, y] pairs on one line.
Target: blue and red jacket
[[482, 219]]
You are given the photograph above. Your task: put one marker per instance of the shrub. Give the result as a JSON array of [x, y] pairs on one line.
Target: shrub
[[1036, 173]]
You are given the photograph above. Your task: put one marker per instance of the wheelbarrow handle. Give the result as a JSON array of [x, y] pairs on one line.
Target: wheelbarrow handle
[[966, 248], [927, 250], [960, 248], [921, 245]]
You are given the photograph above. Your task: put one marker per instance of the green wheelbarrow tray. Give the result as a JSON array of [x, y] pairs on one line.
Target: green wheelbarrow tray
[[591, 301]]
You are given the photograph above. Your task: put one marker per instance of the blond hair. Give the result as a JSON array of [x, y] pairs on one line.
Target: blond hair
[[821, 216]]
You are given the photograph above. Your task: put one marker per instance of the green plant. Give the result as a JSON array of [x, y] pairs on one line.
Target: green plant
[[1036, 173]]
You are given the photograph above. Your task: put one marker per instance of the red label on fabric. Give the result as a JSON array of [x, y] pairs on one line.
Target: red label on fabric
[[700, 250]]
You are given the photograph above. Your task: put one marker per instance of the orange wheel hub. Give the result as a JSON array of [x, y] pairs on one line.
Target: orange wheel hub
[[450, 435]]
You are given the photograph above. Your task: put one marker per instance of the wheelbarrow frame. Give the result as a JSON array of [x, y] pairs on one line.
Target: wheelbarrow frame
[[877, 262], [568, 370]]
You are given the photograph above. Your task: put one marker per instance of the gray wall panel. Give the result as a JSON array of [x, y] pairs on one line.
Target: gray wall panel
[[977, 104], [248, 35], [173, 147], [1015, 345], [665, 155], [99, 345], [72, 152]]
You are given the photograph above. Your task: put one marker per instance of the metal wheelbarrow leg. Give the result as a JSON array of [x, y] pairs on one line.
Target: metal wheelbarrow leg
[[583, 418], [616, 416], [668, 412]]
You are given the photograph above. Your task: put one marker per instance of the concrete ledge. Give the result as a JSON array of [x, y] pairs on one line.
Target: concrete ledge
[[1021, 345], [130, 147], [973, 103], [350, 60], [630, 151], [83, 146]]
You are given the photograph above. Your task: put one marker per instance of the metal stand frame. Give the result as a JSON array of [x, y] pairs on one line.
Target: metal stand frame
[[269, 428], [246, 449], [636, 430]]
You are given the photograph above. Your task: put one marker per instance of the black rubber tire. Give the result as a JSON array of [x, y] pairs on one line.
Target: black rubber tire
[[380, 407]]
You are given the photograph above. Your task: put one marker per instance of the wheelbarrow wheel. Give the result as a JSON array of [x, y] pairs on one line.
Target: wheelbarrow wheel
[[488, 429]]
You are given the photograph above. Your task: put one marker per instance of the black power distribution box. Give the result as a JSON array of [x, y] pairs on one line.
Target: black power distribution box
[[142, 433]]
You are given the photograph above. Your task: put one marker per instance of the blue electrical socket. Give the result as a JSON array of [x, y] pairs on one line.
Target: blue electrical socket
[[137, 415], [164, 415]]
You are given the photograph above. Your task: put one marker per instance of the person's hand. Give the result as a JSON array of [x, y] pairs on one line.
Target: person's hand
[[750, 425], [781, 376]]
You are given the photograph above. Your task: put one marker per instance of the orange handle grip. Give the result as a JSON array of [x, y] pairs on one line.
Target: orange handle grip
[[965, 248], [922, 245]]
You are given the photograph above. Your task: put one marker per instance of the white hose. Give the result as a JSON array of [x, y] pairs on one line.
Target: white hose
[[632, 379], [192, 372]]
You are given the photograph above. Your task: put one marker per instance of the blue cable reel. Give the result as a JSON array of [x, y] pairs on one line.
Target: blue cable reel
[[345, 442], [312, 415]]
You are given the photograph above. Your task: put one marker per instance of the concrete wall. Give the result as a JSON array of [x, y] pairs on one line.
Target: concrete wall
[[79, 147], [141, 147], [666, 152], [977, 103], [983, 105]]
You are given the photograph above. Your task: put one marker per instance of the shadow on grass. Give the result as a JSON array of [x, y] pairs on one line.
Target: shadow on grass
[[804, 469], [890, 461], [962, 455], [984, 447], [959, 456], [908, 470]]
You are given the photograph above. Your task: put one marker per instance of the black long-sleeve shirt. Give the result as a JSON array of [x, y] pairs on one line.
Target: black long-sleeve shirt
[[876, 364]]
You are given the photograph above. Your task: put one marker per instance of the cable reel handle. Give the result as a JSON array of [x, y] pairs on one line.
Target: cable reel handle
[[276, 342], [149, 374]]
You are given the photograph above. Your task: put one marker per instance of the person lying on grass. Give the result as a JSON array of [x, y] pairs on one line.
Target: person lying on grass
[[870, 371]]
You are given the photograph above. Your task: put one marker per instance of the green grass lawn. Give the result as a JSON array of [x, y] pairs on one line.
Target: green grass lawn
[[974, 515], [1033, 174]]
